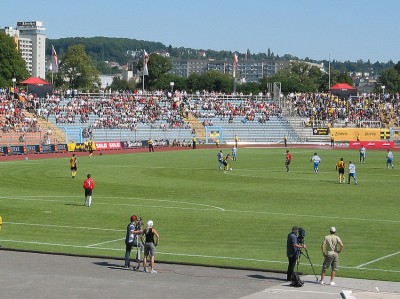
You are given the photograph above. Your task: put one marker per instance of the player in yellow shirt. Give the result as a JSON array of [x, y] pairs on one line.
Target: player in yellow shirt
[[226, 162], [74, 165], [340, 166]]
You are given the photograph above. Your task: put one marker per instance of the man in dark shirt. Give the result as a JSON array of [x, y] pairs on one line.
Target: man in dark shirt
[[292, 251]]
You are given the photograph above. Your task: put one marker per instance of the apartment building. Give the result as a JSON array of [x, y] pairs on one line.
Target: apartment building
[[31, 43]]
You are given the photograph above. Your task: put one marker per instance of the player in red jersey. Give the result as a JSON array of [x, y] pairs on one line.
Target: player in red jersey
[[288, 160], [88, 185]]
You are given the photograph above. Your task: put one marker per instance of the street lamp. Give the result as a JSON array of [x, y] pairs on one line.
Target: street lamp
[[172, 86], [14, 80]]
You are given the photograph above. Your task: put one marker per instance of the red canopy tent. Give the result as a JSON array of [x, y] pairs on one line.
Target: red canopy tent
[[38, 86], [343, 90], [35, 81]]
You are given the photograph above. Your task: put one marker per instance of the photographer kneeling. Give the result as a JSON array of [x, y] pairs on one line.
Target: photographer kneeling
[[292, 251]]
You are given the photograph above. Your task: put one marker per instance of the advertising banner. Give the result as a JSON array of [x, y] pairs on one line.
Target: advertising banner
[[356, 134], [62, 147], [47, 148], [108, 145], [4, 150], [76, 147], [320, 131], [372, 144], [17, 150], [33, 149]]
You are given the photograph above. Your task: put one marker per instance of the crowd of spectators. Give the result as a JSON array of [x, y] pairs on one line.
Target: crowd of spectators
[[113, 111], [168, 111], [326, 110], [13, 117], [248, 109]]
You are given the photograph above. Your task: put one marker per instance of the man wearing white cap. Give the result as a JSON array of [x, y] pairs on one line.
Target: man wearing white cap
[[331, 247]]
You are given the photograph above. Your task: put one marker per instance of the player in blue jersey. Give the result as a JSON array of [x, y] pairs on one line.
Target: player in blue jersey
[[389, 159], [363, 152], [317, 160], [220, 157], [352, 172], [234, 153]]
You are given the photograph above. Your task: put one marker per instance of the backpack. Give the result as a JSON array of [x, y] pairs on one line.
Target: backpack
[[296, 281]]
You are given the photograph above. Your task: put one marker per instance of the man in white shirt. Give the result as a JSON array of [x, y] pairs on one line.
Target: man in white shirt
[[352, 172]]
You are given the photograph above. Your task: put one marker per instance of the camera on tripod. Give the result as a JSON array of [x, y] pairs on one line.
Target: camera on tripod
[[300, 239], [301, 235]]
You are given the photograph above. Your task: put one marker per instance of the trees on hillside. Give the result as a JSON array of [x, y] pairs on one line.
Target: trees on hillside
[[298, 76], [157, 66], [11, 63], [76, 70], [390, 78]]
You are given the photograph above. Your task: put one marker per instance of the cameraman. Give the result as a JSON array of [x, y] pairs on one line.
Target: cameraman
[[292, 251], [131, 240]]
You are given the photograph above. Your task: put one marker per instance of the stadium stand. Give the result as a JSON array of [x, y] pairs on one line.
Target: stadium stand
[[177, 118]]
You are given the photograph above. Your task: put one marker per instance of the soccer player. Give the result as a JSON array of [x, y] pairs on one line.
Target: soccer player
[[236, 140], [288, 160], [88, 185], [340, 166], [234, 153], [352, 173], [316, 159], [362, 154], [220, 157], [74, 165], [389, 159], [90, 148], [226, 162], [151, 146]]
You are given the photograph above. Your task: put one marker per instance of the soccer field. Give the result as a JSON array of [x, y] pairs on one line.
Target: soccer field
[[240, 218]]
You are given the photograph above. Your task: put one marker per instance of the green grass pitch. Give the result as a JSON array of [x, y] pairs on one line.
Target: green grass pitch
[[240, 218]]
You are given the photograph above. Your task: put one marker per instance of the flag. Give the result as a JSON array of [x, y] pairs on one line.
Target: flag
[[54, 60], [235, 62], [145, 60]]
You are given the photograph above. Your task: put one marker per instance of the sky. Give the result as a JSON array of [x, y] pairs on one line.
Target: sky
[[318, 29]]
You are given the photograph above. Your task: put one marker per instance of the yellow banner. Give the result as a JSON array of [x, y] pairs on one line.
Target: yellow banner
[[355, 134]]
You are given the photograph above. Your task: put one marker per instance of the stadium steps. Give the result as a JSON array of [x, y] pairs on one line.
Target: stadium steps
[[195, 124], [57, 136]]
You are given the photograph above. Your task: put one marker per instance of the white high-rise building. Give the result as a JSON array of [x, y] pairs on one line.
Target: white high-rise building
[[32, 46]]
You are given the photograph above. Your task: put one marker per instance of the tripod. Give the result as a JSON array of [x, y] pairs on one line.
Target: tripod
[[299, 253]]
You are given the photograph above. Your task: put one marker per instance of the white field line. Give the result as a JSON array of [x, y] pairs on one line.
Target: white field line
[[93, 245], [189, 255], [41, 198], [66, 226], [378, 259], [208, 208]]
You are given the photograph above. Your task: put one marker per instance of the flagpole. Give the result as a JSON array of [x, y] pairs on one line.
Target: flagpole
[[329, 72], [143, 83]]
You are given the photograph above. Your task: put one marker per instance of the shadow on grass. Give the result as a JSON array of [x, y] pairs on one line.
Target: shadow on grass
[[74, 204]]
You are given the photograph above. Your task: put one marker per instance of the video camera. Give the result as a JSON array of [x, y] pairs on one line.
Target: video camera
[[301, 236], [139, 223]]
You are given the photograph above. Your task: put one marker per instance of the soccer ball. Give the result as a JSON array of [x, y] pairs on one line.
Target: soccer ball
[[230, 169]]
